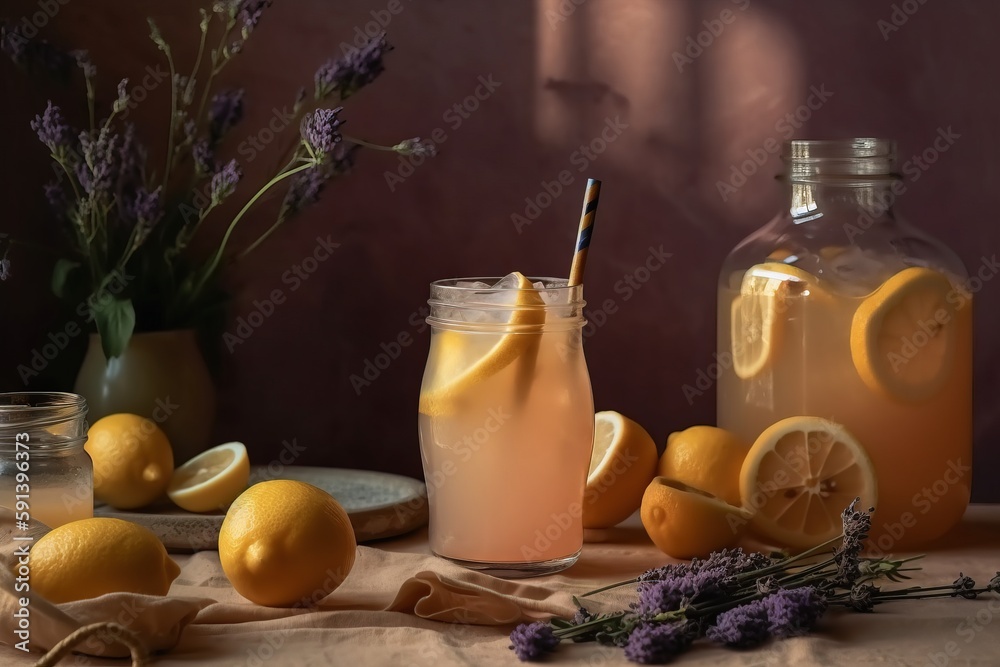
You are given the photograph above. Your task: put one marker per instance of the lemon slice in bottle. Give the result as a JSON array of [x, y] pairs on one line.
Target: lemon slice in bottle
[[903, 335], [799, 476], [211, 480], [466, 359], [757, 315]]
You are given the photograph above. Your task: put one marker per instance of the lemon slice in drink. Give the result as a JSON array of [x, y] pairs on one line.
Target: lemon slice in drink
[[211, 480], [757, 315], [466, 359], [903, 335], [799, 476]]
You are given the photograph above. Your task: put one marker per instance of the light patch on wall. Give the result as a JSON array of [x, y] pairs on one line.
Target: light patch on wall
[[753, 74], [600, 58]]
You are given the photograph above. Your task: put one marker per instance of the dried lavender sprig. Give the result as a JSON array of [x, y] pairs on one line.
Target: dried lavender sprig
[[353, 71]]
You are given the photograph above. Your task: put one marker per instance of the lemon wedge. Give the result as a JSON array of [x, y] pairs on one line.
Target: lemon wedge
[[799, 476], [211, 480], [903, 336], [758, 314], [622, 463], [466, 359]]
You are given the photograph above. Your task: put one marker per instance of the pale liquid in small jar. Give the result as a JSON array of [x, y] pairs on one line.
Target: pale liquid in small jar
[[506, 473], [54, 507], [921, 451]]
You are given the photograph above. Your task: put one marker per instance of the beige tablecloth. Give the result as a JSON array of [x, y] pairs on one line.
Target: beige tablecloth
[[375, 617]]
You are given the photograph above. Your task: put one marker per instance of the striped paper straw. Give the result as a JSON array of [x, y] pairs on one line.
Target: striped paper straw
[[587, 219]]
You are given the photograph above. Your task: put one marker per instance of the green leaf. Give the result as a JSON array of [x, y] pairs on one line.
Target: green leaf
[[115, 323], [60, 274]]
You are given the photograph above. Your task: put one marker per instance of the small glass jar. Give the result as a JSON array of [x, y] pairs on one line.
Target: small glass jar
[[839, 310], [506, 425], [44, 471]]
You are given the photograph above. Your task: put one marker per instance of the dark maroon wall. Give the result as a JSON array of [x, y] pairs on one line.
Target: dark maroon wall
[[687, 126]]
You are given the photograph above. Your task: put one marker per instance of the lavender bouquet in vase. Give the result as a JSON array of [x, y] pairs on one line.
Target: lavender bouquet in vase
[[140, 280]]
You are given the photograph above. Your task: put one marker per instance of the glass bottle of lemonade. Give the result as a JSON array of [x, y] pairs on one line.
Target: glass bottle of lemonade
[[839, 312]]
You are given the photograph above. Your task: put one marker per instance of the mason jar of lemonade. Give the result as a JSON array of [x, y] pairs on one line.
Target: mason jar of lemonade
[[847, 337]]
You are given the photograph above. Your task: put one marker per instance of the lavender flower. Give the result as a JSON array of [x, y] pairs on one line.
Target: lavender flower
[[582, 616], [122, 101], [190, 128], [224, 181], [767, 585], [147, 206], [656, 597], [224, 113], [657, 643], [856, 528], [745, 626], [184, 86], [664, 572], [305, 189], [862, 597], [84, 62], [203, 156], [131, 158], [416, 146], [250, 12], [100, 164], [963, 585], [52, 129], [530, 641], [733, 561], [353, 71], [319, 131], [4, 268], [147, 210], [794, 611]]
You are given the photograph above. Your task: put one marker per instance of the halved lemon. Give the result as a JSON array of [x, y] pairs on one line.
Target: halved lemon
[[799, 476], [903, 336], [466, 359], [621, 465], [758, 313], [211, 480], [685, 522]]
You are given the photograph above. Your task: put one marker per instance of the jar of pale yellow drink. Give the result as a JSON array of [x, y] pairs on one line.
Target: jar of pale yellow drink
[[45, 474], [845, 341], [506, 423]]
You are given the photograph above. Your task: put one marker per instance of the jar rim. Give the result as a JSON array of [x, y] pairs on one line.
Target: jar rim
[[548, 282], [39, 408], [811, 160], [455, 305]]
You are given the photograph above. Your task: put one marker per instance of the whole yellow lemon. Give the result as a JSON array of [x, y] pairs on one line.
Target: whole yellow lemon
[[90, 557], [133, 460], [286, 543]]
